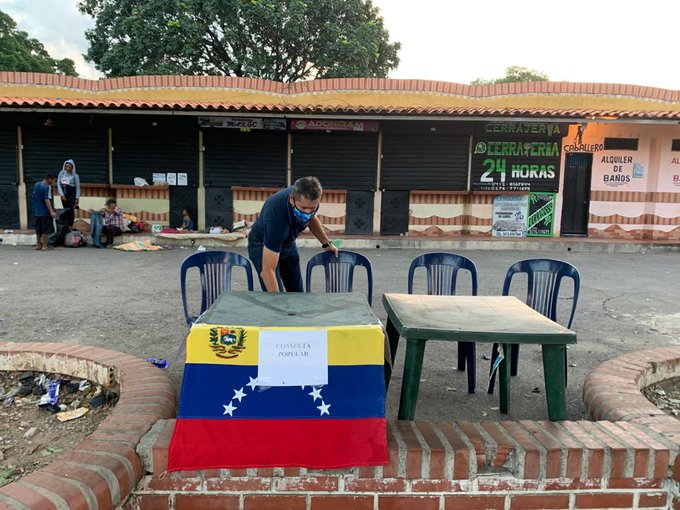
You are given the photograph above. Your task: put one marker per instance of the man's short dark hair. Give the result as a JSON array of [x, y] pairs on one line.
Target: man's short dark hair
[[50, 176], [308, 187], [111, 201]]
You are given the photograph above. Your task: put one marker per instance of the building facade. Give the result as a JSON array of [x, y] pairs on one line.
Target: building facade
[[396, 157]]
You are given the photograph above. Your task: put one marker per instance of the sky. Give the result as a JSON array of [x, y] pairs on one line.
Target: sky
[[458, 41]]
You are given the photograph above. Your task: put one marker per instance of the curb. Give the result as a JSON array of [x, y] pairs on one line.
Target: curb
[[576, 245], [612, 391], [102, 470]]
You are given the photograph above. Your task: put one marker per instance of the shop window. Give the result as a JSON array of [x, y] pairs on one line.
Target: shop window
[[620, 144], [675, 146]]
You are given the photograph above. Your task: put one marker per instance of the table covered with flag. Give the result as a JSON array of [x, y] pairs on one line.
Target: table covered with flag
[[231, 414]]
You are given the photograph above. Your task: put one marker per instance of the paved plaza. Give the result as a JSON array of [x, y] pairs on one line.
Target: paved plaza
[[131, 302]]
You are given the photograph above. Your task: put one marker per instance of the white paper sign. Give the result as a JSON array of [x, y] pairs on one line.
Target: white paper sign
[[172, 179], [158, 178], [182, 180], [510, 215], [293, 358]]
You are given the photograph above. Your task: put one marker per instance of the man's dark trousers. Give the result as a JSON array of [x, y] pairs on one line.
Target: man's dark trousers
[[288, 270]]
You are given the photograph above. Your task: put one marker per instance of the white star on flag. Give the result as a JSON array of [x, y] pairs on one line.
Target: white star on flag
[[238, 394], [229, 409], [252, 383], [316, 393], [323, 408]]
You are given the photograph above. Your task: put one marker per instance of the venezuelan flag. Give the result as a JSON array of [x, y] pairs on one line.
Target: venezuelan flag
[[227, 420]]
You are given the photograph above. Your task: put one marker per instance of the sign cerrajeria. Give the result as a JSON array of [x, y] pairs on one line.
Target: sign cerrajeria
[[517, 156]]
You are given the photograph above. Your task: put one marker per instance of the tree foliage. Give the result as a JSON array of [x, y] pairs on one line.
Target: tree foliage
[[19, 52], [282, 40], [514, 74]]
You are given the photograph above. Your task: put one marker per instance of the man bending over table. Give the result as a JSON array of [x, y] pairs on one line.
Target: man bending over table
[[271, 242]]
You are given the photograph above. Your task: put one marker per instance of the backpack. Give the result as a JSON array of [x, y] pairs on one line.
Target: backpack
[[74, 239]]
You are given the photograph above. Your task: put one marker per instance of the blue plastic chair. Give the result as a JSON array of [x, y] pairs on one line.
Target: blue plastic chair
[[215, 273], [543, 289], [442, 275], [340, 271]]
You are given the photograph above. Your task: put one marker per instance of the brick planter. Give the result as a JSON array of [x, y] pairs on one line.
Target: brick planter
[[464, 465], [100, 472]]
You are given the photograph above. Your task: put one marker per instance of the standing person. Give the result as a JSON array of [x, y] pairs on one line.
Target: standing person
[[43, 211], [113, 220], [271, 242], [68, 184]]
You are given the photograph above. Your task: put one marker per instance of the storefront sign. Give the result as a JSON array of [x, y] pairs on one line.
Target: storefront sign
[[509, 215], [617, 169], [334, 125], [541, 214], [517, 156], [242, 123]]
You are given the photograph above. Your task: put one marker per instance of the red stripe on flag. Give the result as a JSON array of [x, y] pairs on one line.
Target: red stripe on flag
[[311, 443]]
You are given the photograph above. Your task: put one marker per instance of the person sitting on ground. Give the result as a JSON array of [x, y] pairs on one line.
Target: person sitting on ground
[[113, 220], [43, 210], [187, 220]]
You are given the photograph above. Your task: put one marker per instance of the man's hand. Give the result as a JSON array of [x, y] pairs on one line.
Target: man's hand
[[53, 214], [331, 247]]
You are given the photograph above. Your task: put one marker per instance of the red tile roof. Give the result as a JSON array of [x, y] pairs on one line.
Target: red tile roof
[[42, 91]]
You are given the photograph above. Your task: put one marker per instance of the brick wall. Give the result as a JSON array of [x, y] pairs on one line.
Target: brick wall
[[466, 465]]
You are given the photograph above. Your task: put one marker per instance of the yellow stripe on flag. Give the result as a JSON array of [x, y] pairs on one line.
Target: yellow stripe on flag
[[235, 345]]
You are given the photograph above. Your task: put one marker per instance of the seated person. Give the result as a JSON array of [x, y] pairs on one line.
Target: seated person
[[187, 220], [113, 220]]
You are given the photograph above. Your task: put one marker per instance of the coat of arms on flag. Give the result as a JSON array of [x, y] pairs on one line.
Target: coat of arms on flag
[[337, 420]]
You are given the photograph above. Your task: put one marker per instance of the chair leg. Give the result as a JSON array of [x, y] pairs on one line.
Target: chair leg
[[470, 353], [514, 359], [492, 373], [461, 356]]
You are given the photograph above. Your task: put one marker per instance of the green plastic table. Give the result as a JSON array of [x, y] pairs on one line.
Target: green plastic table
[[490, 319]]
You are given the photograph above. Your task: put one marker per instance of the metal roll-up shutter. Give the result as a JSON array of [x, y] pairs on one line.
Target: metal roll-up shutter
[[9, 212], [255, 159], [147, 145], [82, 138], [8, 154], [425, 157], [340, 160]]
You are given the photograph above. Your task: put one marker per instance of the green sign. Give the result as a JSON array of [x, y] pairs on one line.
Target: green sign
[[517, 156], [541, 215]]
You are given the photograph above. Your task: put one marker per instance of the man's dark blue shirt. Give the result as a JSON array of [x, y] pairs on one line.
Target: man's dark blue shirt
[[276, 227], [41, 192]]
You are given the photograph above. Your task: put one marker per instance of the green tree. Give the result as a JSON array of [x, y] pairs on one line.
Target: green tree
[[282, 40], [19, 52], [514, 74]]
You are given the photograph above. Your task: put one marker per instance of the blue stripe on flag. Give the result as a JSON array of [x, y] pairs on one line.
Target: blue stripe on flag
[[229, 391]]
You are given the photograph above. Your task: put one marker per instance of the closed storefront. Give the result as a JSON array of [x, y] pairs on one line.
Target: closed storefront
[[49, 140], [419, 156], [146, 145], [9, 194], [344, 156], [240, 152]]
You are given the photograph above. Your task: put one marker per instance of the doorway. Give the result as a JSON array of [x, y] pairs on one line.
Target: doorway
[[576, 194]]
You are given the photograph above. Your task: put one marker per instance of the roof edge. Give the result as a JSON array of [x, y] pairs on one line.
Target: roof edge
[[338, 84]]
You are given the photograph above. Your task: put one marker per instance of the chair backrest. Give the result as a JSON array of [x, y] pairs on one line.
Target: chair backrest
[[544, 279], [442, 272], [340, 271], [215, 274]]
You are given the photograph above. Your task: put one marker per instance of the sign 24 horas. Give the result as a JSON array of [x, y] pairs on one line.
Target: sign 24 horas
[[517, 156]]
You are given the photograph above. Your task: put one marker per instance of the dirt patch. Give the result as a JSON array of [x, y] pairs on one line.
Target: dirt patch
[[32, 405], [665, 395]]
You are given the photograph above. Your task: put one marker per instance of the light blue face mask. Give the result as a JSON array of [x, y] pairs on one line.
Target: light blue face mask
[[303, 217]]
